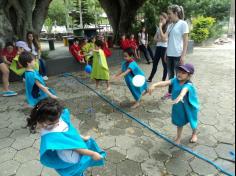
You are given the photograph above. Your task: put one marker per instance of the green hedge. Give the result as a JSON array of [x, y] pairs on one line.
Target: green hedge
[[201, 28]]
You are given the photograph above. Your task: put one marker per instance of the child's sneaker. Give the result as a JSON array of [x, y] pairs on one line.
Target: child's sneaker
[[166, 96], [9, 94]]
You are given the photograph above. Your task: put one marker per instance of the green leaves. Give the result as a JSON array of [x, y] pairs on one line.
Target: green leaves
[[201, 28]]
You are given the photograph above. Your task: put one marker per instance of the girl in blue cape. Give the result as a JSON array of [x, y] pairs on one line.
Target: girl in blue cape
[[129, 70], [35, 85], [62, 147], [186, 105]]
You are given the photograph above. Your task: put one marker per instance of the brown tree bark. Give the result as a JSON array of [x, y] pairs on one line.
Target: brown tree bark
[[121, 14], [25, 15]]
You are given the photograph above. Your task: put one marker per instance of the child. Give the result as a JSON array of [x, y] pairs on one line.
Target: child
[[5, 80], [105, 47], [130, 69], [88, 47], [62, 147], [75, 50], [16, 67], [186, 105], [35, 86], [124, 43], [134, 45], [9, 53], [100, 69]]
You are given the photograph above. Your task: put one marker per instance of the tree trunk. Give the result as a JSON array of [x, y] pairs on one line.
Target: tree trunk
[[25, 16], [121, 14]]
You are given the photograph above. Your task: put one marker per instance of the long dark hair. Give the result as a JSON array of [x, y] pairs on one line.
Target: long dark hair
[[165, 26], [179, 10], [35, 41], [46, 110]]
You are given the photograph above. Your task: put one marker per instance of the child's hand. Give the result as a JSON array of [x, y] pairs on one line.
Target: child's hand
[[179, 99], [54, 97], [86, 138], [96, 156], [115, 78], [151, 89]]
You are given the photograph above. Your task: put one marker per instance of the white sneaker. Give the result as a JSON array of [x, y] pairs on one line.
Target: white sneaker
[[45, 78]]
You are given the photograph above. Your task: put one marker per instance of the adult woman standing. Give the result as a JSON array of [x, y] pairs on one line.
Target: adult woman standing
[[144, 45], [161, 40], [177, 33], [34, 45]]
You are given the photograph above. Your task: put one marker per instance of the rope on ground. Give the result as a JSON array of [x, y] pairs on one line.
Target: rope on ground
[[184, 148]]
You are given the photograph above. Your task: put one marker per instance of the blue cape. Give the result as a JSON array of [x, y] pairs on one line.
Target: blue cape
[[33, 93], [187, 112], [66, 141], [135, 70]]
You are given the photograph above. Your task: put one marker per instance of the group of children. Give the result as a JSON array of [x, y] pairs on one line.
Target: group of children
[[62, 147], [9, 60], [82, 49]]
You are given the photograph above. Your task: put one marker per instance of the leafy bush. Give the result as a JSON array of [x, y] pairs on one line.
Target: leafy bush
[[201, 28]]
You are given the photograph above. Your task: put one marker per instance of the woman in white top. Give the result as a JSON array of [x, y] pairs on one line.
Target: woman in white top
[[161, 40], [144, 45], [34, 45], [177, 33]]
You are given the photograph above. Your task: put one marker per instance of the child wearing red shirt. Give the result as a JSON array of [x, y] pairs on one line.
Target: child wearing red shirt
[[105, 46], [9, 53], [75, 50], [124, 43], [134, 45]]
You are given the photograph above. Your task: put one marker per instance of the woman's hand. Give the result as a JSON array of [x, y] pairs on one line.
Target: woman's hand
[[160, 25], [182, 60]]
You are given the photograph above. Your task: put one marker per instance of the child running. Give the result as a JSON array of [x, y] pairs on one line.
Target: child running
[[129, 70], [62, 148], [100, 71], [186, 105], [35, 86]]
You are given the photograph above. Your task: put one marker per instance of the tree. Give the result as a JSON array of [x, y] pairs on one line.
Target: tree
[[87, 8], [25, 15], [121, 14], [57, 12]]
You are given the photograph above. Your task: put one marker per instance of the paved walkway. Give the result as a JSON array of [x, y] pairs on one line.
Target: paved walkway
[[132, 150]]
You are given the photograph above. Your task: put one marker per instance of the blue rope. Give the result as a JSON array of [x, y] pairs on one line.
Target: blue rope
[[152, 130]]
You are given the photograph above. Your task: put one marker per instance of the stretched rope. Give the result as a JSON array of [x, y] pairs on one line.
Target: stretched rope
[[184, 148]]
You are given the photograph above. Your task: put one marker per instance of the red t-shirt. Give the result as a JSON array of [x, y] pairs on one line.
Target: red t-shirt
[[106, 50], [124, 44], [74, 49], [133, 44], [9, 56]]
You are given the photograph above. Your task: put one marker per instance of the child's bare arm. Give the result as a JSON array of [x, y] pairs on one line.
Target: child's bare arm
[[96, 156], [122, 74], [125, 73], [45, 90], [85, 138], [181, 96], [159, 84]]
